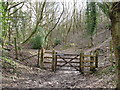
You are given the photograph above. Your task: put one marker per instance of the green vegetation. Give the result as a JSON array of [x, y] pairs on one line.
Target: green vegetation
[[37, 42], [106, 70], [8, 63], [57, 42], [91, 20]]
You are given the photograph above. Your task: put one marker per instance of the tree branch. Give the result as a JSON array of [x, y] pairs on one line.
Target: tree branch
[[16, 10], [39, 20], [15, 5], [55, 24]]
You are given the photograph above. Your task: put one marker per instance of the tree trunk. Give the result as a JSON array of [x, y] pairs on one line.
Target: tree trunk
[[115, 32], [91, 41]]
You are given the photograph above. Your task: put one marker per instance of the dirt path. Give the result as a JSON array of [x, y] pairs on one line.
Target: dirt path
[[32, 77], [44, 79]]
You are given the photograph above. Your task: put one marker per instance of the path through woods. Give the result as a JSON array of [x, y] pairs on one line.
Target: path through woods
[[31, 77]]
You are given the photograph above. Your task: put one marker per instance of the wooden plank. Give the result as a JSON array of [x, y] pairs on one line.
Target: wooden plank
[[89, 55], [70, 58], [67, 54], [47, 62], [88, 61], [68, 65], [60, 61], [65, 58], [48, 57], [64, 62], [88, 66], [48, 52], [101, 55]]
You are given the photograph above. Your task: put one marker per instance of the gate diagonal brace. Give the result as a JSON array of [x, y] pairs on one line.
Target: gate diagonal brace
[[69, 62]]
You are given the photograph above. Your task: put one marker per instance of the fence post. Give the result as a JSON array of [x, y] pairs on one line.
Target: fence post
[[53, 60], [42, 58], [96, 59], [82, 63], [38, 63], [16, 48], [92, 63]]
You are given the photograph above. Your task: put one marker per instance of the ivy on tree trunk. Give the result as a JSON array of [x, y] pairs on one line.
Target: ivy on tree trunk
[[115, 32]]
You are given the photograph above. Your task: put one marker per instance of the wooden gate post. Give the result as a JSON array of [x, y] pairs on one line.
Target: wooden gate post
[[53, 60], [16, 48], [38, 63], [82, 63], [42, 58], [96, 59], [92, 64]]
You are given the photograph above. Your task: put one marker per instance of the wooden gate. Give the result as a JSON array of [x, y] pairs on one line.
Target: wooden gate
[[68, 60], [80, 62]]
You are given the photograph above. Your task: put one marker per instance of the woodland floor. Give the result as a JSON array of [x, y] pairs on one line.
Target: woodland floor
[[27, 75]]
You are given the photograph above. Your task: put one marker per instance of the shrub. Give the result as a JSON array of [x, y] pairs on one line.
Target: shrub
[[37, 42], [57, 42]]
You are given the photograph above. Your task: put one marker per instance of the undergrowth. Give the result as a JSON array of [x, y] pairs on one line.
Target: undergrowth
[[8, 64], [108, 70], [37, 42]]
